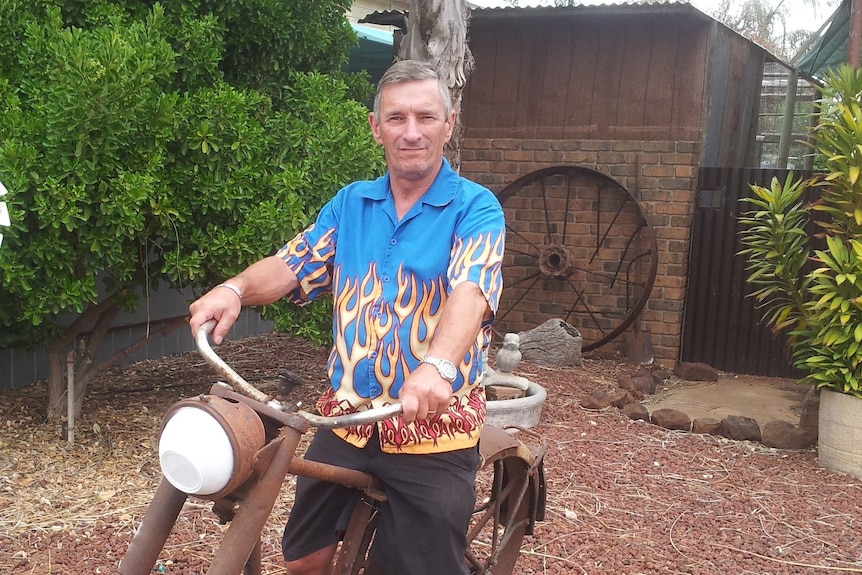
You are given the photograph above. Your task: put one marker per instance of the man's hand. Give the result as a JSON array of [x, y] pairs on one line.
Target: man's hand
[[220, 304], [261, 283], [425, 394]]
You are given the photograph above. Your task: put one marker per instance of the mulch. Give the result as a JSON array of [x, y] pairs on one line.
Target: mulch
[[624, 497]]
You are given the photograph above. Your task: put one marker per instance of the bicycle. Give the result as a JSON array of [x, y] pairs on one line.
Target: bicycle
[[263, 435]]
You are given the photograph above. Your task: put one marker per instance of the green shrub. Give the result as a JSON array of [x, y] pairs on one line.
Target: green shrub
[[145, 144], [815, 295]]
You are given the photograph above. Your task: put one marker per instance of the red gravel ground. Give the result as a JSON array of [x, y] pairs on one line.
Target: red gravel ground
[[624, 497]]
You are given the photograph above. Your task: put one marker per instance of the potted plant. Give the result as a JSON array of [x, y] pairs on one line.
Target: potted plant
[[815, 295]]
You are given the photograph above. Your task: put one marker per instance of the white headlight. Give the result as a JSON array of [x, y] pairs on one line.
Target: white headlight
[[195, 452], [208, 444]]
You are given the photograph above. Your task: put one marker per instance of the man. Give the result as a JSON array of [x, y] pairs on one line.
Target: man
[[412, 260]]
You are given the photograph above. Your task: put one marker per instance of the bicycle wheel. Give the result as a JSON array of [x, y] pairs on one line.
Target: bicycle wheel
[[510, 499]]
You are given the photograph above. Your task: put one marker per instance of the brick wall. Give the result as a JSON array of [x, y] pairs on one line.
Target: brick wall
[[666, 189]]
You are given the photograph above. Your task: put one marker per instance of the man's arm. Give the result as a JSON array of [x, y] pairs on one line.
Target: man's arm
[[263, 282], [424, 391]]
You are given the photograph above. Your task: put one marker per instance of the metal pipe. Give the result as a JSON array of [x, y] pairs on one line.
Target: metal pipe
[[153, 531], [787, 120], [249, 520], [340, 421], [70, 397]]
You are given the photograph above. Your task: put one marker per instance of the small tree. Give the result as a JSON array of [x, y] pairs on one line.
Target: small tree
[[145, 146], [815, 295]]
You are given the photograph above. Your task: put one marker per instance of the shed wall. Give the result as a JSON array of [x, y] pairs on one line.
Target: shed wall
[[733, 96], [587, 77]]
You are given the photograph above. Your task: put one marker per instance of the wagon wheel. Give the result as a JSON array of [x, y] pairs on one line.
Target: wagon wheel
[[579, 247], [510, 497]]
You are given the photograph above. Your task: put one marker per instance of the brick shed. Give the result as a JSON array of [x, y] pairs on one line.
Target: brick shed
[[639, 99]]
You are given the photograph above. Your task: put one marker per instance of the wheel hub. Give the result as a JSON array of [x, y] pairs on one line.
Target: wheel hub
[[555, 261]]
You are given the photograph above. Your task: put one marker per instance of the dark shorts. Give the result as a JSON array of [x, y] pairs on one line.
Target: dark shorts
[[423, 522]]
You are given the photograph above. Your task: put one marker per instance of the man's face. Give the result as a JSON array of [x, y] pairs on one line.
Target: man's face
[[412, 128]]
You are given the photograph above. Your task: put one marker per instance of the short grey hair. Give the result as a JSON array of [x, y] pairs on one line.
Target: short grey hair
[[409, 71]]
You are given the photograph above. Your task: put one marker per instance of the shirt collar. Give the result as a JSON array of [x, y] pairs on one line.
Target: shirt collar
[[441, 192]]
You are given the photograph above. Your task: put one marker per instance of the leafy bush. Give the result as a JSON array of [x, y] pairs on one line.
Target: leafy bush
[[816, 294], [145, 144]]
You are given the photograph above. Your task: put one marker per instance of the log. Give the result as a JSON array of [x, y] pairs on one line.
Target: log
[[553, 343]]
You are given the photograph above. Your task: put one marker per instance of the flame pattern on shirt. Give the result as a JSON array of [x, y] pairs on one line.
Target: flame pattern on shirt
[[383, 326]]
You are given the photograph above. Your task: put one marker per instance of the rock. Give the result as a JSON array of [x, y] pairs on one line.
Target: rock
[[671, 419], [625, 400], [500, 393], [693, 371], [785, 435], [810, 416], [705, 425], [659, 373], [604, 398], [636, 411], [642, 370], [740, 428], [554, 342], [644, 384], [626, 382]]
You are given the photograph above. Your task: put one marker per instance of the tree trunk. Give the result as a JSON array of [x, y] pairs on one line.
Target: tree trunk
[[554, 343], [437, 33], [88, 332]]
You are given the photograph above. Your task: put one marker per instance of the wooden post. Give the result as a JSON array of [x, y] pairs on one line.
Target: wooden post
[[70, 397]]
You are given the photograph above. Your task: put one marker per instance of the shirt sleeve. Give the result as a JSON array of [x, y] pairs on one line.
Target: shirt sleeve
[[310, 256], [477, 250]]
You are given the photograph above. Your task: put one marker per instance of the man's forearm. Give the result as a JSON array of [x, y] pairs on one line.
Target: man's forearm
[[265, 281], [459, 325]]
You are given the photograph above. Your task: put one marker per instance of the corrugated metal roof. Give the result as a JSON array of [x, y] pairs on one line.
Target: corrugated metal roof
[[652, 6], [609, 9]]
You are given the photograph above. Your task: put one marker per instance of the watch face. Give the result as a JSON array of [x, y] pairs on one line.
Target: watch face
[[447, 369]]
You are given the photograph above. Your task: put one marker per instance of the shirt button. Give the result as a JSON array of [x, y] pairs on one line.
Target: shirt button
[[392, 242], [386, 279]]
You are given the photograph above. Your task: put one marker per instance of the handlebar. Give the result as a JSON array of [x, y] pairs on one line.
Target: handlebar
[[372, 415]]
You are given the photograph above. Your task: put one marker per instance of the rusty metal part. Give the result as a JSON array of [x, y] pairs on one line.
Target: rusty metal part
[[515, 502], [153, 531], [203, 344], [271, 416], [357, 538], [250, 518], [341, 475], [254, 565]]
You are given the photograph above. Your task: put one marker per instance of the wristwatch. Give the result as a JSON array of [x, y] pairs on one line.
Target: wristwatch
[[445, 368]]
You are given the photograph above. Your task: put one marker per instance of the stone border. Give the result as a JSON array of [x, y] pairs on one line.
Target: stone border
[[632, 389]]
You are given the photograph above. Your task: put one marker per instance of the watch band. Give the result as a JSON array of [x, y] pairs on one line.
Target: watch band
[[445, 368]]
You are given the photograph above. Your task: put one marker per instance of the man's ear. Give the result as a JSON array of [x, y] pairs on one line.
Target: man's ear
[[450, 124], [375, 127]]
